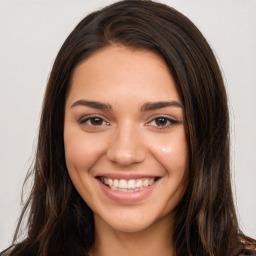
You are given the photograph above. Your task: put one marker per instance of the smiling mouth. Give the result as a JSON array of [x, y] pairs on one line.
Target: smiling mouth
[[131, 185]]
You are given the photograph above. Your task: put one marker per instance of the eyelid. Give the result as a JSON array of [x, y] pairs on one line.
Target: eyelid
[[85, 118], [172, 121]]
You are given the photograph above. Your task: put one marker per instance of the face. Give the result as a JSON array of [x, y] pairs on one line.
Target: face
[[125, 144]]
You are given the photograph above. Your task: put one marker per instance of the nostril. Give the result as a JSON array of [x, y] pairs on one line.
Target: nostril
[[126, 155]]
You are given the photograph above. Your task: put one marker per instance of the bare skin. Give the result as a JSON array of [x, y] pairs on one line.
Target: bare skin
[[150, 241], [124, 124]]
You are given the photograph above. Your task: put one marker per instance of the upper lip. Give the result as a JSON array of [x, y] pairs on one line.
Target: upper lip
[[126, 176]]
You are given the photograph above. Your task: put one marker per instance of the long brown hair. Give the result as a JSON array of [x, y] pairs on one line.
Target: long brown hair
[[60, 222]]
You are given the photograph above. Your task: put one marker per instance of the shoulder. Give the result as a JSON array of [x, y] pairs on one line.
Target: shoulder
[[244, 252], [248, 246], [7, 251]]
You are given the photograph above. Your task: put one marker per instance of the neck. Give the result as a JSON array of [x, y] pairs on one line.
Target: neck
[[155, 240]]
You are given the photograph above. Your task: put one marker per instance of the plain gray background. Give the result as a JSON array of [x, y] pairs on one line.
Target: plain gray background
[[32, 31]]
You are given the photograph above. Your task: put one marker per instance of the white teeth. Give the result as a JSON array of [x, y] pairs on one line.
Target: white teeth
[[110, 182], [128, 185], [122, 184], [131, 184], [138, 183], [145, 183], [115, 183]]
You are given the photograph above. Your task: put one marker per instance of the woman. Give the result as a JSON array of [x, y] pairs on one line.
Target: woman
[[133, 148]]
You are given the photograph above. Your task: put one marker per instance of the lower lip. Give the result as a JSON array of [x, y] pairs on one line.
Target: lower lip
[[127, 197]]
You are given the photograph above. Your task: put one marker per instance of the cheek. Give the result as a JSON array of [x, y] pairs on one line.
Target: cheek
[[81, 150], [172, 153]]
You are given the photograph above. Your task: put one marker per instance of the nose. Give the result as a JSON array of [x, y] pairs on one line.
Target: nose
[[126, 147]]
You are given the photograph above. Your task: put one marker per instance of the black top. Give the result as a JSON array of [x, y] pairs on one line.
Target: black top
[[247, 252], [244, 252]]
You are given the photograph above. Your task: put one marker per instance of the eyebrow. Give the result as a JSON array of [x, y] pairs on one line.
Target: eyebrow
[[145, 107], [92, 104], [161, 104]]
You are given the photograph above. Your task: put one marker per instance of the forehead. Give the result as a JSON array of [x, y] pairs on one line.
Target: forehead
[[118, 72]]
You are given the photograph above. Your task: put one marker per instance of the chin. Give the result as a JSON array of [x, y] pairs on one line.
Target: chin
[[133, 227], [128, 221]]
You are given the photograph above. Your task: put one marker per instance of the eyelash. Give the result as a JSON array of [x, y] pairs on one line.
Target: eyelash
[[168, 122], [90, 118]]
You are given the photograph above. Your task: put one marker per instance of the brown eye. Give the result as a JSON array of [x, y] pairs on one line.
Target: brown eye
[[96, 121], [161, 121]]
